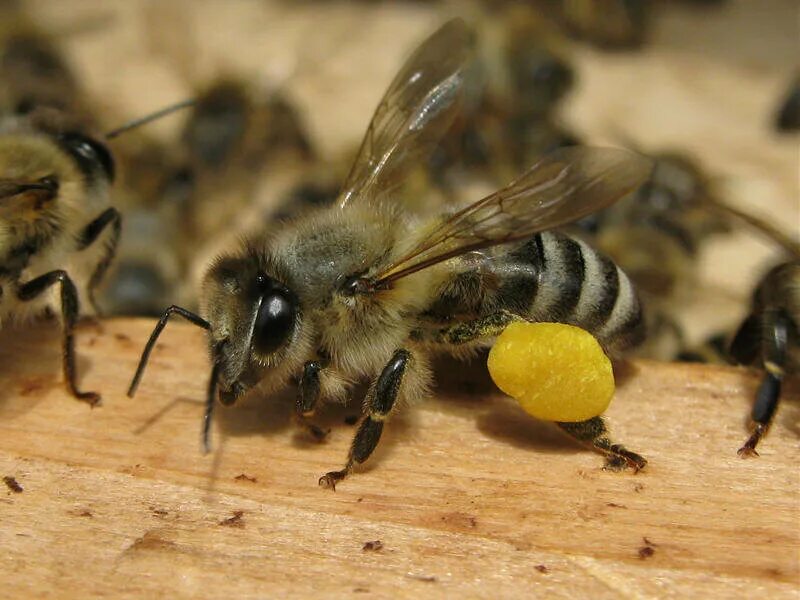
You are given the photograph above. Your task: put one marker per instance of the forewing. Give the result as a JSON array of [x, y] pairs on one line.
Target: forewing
[[563, 186], [416, 110]]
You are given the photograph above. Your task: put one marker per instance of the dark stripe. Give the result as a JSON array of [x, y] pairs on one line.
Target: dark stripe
[[517, 293], [607, 292], [574, 276]]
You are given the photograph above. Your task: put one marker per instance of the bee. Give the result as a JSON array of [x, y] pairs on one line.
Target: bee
[[55, 219], [787, 118], [655, 235], [34, 72], [54, 206], [613, 24], [510, 121], [770, 338], [363, 290], [185, 194]]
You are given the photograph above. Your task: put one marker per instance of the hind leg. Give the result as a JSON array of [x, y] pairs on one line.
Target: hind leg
[[594, 433]]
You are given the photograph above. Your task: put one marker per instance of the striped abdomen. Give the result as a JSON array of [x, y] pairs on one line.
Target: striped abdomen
[[553, 277]]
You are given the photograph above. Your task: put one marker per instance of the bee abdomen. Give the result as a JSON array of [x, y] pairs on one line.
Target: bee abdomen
[[580, 286]]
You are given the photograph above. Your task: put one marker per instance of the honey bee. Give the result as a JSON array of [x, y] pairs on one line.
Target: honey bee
[[55, 219], [363, 290], [184, 195], [33, 71], [655, 235], [54, 206], [770, 338], [787, 118], [613, 24]]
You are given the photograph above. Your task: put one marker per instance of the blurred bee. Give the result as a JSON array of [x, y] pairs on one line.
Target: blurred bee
[[55, 219], [229, 138], [509, 119], [54, 208], [788, 115], [770, 338], [363, 290], [613, 24], [33, 71], [183, 196], [655, 235]]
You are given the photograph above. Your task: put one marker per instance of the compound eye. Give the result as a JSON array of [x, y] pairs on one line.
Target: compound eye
[[88, 153], [275, 320]]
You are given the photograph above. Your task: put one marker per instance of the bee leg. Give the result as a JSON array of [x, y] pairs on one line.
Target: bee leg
[[595, 433], [469, 331], [308, 392], [108, 218], [769, 392], [69, 314], [379, 403]]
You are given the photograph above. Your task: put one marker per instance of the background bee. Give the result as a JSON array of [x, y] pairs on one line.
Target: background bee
[[54, 212], [508, 121], [787, 118], [237, 135], [55, 219], [362, 290], [770, 338], [33, 70], [607, 23], [656, 235]]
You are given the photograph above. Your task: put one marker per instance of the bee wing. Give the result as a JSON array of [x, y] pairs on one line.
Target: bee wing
[[563, 186], [413, 114]]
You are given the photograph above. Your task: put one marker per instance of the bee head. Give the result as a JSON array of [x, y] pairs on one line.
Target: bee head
[[255, 321], [92, 157]]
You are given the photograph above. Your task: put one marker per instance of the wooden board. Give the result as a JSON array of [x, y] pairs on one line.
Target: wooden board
[[468, 495]]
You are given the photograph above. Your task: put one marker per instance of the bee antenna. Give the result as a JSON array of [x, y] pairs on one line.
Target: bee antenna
[[149, 118], [784, 240], [188, 315]]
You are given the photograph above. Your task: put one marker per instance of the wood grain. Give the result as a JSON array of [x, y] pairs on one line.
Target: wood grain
[[468, 495]]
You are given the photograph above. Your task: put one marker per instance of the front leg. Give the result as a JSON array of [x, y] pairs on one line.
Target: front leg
[[379, 403], [69, 314], [308, 394], [108, 218], [775, 355]]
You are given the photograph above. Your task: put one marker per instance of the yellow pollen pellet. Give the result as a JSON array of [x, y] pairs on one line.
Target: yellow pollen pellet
[[556, 372]]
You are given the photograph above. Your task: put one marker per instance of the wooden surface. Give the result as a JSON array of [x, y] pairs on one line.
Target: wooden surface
[[468, 496]]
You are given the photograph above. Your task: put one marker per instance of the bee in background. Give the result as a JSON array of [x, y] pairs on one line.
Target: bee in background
[[611, 24], [34, 72], [509, 120], [787, 118], [655, 235], [180, 197], [770, 338], [54, 207], [55, 220], [362, 290], [233, 135]]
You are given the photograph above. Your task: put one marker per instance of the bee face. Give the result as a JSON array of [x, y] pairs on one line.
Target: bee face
[[255, 322], [32, 174]]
